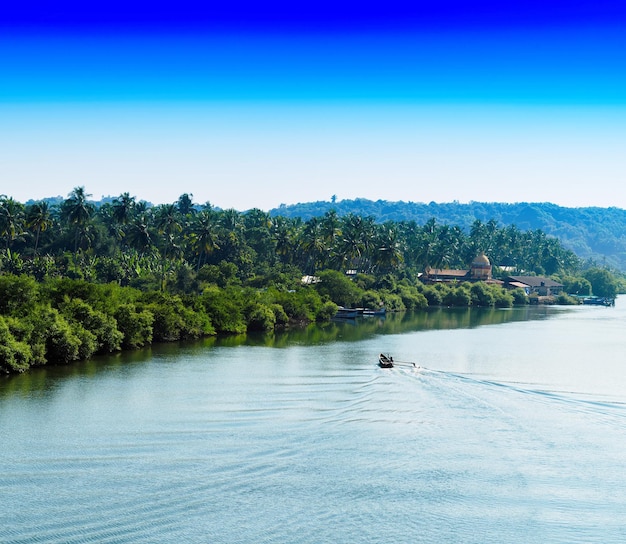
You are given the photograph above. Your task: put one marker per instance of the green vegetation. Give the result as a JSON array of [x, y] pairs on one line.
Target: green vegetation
[[79, 278], [595, 234]]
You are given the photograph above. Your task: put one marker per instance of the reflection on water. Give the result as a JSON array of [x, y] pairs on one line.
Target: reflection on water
[[355, 330]]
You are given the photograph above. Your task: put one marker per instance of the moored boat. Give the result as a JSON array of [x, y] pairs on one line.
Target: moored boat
[[369, 312], [347, 313]]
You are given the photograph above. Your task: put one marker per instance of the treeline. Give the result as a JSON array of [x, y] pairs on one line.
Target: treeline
[[78, 279], [597, 235], [133, 243]]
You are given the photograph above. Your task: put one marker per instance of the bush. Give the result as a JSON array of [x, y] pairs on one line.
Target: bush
[[18, 294], [136, 326], [458, 297], [15, 356], [103, 327], [261, 318], [371, 299], [501, 297], [520, 297], [411, 297], [280, 316], [61, 344], [326, 312], [432, 295], [481, 295], [338, 288], [224, 308]]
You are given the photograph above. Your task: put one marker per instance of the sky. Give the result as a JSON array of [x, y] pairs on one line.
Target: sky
[[259, 104]]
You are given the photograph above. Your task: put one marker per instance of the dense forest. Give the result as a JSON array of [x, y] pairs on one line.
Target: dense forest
[[79, 277], [598, 234]]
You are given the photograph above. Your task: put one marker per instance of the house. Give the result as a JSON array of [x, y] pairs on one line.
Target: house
[[537, 285], [480, 270]]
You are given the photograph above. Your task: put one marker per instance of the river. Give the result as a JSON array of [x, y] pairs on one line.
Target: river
[[511, 428]]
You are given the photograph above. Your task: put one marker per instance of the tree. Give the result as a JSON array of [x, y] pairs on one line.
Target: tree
[[203, 235], [11, 219], [603, 283], [76, 211], [38, 219], [123, 208]]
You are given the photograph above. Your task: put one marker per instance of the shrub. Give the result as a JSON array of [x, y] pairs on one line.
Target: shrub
[[136, 326], [519, 296], [481, 295], [261, 318], [338, 288], [60, 342], [15, 356], [18, 294], [280, 316], [224, 308], [458, 296], [412, 298], [433, 296], [104, 327]]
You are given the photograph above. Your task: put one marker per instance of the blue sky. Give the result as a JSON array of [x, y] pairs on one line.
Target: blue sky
[[254, 105]]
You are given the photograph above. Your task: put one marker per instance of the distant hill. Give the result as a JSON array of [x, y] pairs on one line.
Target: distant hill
[[591, 233]]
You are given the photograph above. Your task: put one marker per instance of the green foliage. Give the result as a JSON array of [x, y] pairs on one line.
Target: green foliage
[[432, 295], [102, 326], [225, 309], [135, 325], [261, 318], [281, 318], [502, 298], [603, 284], [18, 294], [519, 297], [339, 288], [482, 295], [326, 311], [459, 296], [15, 355], [66, 267], [412, 299], [565, 299], [61, 343], [393, 302], [172, 319]]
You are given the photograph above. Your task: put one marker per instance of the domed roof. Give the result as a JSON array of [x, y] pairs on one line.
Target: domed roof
[[481, 260]]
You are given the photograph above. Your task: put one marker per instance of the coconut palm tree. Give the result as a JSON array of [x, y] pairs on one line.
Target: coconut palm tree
[[76, 211], [203, 230], [38, 219], [123, 208], [11, 219]]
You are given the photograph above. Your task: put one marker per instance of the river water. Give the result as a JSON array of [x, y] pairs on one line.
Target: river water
[[512, 428]]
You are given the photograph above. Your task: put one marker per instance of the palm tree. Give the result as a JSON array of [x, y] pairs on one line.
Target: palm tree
[[351, 247], [11, 219], [139, 236], [185, 205], [77, 212], [388, 255], [203, 235], [169, 224], [313, 245], [284, 232], [38, 219], [123, 208]]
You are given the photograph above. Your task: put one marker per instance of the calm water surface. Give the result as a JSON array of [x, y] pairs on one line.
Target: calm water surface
[[513, 429]]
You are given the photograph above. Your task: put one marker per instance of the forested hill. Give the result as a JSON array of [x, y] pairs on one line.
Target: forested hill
[[591, 233]]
